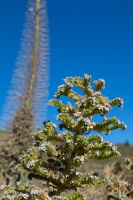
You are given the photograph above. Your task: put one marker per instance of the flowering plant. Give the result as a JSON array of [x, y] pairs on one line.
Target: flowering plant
[[56, 157]]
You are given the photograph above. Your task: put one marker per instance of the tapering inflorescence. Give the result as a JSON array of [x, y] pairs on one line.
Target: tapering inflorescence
[[58, 153], [26, 104], [29, 86]]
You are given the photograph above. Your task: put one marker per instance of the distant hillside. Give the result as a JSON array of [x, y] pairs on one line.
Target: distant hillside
[[125, 150]]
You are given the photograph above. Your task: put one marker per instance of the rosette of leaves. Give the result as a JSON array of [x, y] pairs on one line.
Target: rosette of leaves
[[57, 157]]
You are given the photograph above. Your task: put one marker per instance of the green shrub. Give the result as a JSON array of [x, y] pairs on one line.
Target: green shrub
[[57, 154]]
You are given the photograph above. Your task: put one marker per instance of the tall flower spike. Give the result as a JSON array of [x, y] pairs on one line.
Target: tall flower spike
[[29, 88], [27, 98]]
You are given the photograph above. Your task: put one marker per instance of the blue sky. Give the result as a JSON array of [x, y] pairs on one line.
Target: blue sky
[[94, 37]]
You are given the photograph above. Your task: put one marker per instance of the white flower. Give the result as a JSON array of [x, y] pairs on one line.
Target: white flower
[[118, 121], [90, 125], [101, 139], [21, 157], [29, 150], [87, 77], [67, 82], [94, 177], [80, 118], [18, 183], [57, 117], [64, 134], [69, 140], [107, 142], [25, 196], [122, 101], [54, 125], [97, 93], [78, 173], [82, 100], [111, 145], [97, 153], [118, 153], [30, 164], [61, 88], [114, 148], [16, 167], [102, 80], [79, 159], [125, 126], [82, 158], [34, 192], [2, 187], [42, 147], [77, 114], [10, 197]]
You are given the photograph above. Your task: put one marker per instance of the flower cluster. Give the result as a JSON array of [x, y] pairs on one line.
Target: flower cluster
[[25, 192]]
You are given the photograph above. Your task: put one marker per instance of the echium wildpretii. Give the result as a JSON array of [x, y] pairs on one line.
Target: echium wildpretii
[[56, 158], [26, 103]]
